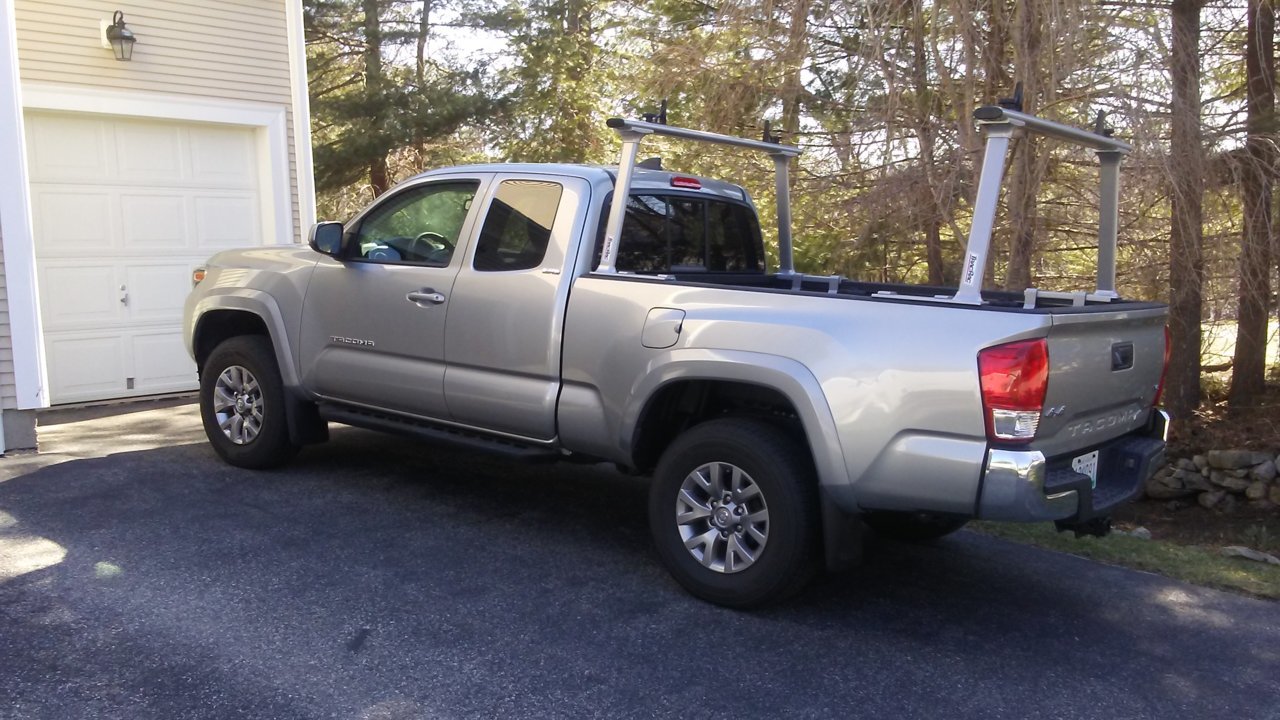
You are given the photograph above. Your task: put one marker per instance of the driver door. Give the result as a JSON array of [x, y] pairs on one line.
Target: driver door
[[373, 322]]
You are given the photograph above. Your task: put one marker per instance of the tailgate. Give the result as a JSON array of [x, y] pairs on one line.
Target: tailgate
[[1104, 369]]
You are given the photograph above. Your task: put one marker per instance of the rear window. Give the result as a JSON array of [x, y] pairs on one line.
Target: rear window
[[683, 234]]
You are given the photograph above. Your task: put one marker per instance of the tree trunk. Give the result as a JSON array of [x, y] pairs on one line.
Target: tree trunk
[[1248, 377], [793, 88], [420, 71], [996, 79], [1186, 172], [373, 81], [933, 214], [1025, 183], [424, 31], [797, 42], [995, 84]]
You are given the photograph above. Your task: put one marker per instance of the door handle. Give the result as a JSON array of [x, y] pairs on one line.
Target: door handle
[[426, 295]]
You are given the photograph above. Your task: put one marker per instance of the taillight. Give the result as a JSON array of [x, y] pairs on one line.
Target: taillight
[[1014, 379], [1164, 371]]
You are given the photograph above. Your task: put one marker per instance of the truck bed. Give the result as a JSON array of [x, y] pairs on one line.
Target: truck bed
[[999, 300]]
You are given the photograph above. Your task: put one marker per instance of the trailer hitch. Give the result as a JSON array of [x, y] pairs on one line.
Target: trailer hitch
[[1097, 527]]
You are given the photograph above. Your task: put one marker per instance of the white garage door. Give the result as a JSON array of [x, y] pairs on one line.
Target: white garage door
[[123, 210]]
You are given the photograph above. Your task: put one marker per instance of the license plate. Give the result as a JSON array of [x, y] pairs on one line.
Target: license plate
[[1087, 464]]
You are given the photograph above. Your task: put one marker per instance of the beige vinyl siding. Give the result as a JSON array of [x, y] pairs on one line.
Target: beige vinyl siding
[[8, 384], [226, 49]]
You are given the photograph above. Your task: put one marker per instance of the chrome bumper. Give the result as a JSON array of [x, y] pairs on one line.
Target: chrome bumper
[[1013, 489], [1013, 484], [1160, 424]]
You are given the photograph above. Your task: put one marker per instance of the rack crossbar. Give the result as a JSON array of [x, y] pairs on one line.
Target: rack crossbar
[[633, 132]]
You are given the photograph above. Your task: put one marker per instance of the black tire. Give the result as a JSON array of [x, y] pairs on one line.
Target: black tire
[[915, 527], [269, 446], [782, 471]]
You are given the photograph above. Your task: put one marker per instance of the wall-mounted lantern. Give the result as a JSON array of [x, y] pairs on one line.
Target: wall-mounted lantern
[[120, 37]]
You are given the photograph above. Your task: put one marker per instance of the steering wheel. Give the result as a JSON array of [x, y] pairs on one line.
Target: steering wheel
[[435, 239]]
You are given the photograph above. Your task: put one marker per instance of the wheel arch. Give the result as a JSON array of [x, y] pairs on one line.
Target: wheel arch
[[220, 317], [786, 390]]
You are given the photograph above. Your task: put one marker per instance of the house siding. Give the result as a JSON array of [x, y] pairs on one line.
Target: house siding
[[8, 385], [232, 49]]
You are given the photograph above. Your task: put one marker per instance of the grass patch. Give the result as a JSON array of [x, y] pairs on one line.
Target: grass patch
[[1198, 565]]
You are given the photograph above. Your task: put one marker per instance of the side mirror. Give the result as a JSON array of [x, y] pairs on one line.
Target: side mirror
[[326, 238]]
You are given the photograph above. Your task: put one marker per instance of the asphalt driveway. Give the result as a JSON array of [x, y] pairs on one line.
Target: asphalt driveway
[[142, 578]]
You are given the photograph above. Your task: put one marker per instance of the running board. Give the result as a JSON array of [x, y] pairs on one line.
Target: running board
[[437, 433]]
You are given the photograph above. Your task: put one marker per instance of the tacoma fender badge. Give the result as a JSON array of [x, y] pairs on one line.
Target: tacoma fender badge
[[351, 341], [1124, 417]]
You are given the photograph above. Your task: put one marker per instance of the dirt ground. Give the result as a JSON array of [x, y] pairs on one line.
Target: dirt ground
[[1186, 523]]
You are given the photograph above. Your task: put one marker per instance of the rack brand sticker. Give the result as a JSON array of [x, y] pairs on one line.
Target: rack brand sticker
[[970, 269]]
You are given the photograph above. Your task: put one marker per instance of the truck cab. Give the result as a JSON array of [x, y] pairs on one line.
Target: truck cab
[[475, 260]]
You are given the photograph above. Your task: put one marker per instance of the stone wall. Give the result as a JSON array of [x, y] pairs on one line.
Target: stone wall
[[1220, 479]]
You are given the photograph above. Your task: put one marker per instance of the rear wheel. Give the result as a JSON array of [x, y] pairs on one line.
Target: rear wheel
[[913, 527], [734, 514], [242, 404]]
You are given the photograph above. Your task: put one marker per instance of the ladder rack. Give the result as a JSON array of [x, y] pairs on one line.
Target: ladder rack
[[997, 124]]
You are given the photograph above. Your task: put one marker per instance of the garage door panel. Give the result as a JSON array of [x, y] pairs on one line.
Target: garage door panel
[[227, 221], [124, 209], [86, 367], [79, 295], [157, 292], [154, 221], [72, 220], [149, 152], [161, 364], [68, 149], [223, 157]]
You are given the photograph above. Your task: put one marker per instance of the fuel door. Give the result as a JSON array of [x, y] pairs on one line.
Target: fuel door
[[662, 327]]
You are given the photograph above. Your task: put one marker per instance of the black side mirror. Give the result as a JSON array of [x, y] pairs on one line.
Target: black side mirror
[[326, 237]]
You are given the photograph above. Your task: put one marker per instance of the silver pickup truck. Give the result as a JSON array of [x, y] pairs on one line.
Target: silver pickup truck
[[627, 315]]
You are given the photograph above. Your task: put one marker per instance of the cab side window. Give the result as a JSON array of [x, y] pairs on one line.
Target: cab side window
[[517, 228], [684, 234], [417, 226], [643, 245]]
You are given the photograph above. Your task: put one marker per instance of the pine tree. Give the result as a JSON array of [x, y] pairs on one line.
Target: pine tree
[[365, 107]]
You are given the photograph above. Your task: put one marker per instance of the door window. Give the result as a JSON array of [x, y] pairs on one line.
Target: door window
[[518, 227], [418, 226]]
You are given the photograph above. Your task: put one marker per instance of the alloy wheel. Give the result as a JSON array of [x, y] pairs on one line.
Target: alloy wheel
[[722, 517], [238, 405]]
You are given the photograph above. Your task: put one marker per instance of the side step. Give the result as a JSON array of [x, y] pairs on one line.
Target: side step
[[436, 433]]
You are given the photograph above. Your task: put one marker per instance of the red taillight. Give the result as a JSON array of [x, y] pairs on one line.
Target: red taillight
[[686, 182], [1014, 379], [1168, 346]]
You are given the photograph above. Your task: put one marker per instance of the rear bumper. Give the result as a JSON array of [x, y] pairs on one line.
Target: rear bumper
[[1024, 486]]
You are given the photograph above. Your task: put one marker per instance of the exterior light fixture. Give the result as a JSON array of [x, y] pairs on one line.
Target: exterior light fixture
[[120, 37]]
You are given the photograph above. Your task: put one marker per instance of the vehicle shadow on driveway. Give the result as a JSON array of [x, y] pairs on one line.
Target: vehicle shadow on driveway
[[375, 577]]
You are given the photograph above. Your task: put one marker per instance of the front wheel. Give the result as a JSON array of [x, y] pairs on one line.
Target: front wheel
[[242, 404], [733, 511]]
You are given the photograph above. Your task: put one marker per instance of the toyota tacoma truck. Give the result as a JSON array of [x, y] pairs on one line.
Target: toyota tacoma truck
[[627, 315]]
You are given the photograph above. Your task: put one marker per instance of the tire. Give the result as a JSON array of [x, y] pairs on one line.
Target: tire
[[739, 560], [242, 404], [913, 527]]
